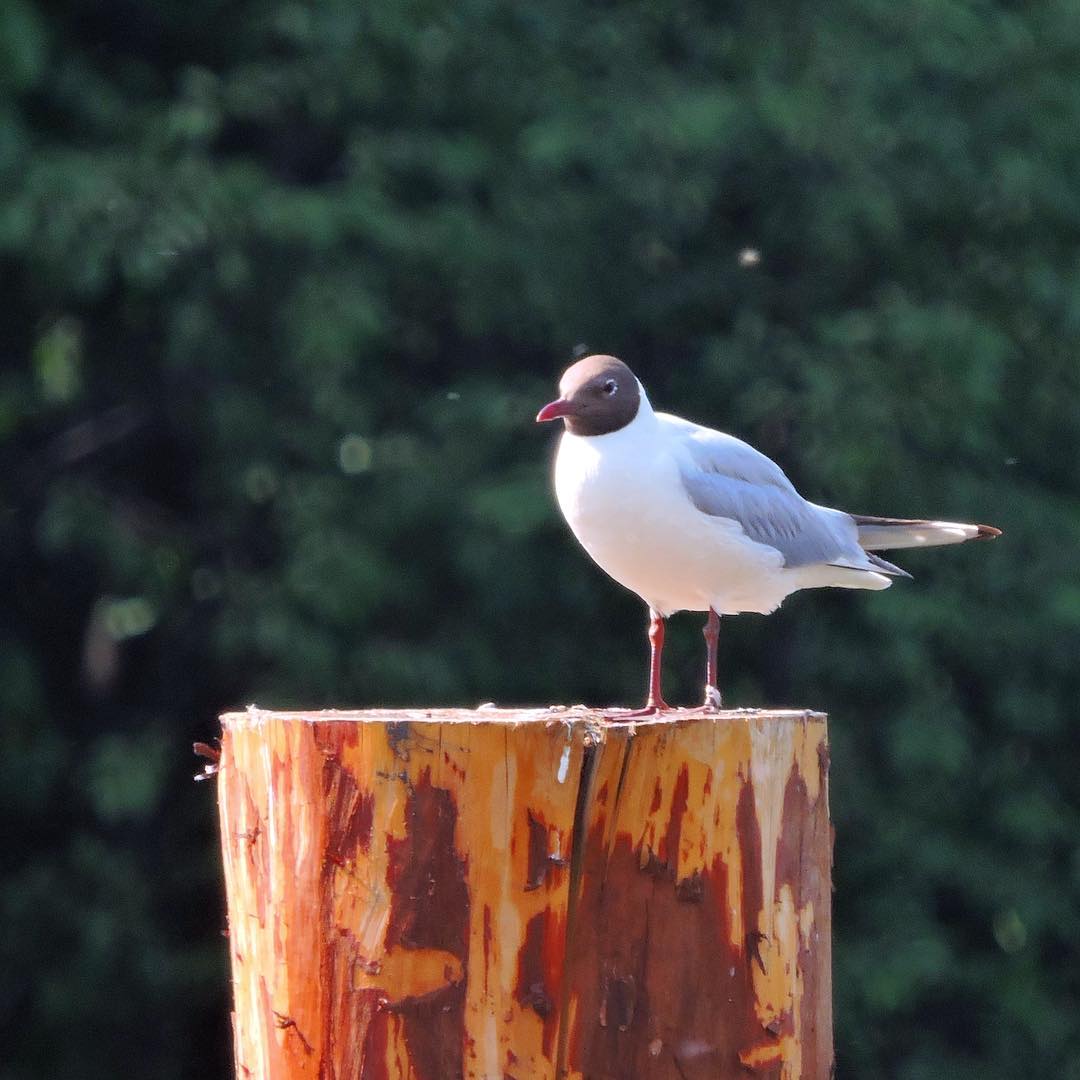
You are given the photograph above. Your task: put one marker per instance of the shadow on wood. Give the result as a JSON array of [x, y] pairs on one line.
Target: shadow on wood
[[517, 895]]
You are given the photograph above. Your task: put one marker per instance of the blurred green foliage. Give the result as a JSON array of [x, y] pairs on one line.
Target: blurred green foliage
[[284, 285]]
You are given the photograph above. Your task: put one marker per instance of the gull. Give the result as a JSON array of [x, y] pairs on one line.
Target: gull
[[693, 519]]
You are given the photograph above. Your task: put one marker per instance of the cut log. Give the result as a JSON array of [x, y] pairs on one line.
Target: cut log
[[441, 894]]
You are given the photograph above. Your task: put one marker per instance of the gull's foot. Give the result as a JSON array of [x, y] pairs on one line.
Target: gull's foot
[[649, 709], [713, 701]]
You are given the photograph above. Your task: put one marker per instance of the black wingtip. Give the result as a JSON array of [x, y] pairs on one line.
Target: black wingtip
[[885, 567]]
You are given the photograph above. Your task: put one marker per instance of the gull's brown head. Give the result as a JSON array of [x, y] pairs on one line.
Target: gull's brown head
[[597, 395]]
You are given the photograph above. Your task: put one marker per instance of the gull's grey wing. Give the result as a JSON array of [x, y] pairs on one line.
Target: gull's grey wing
[[728, 478]]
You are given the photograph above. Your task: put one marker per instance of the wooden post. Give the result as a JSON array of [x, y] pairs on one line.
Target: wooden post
[[527, 895]]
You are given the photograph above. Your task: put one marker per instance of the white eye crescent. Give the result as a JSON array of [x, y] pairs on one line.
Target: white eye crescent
[[610, 387]]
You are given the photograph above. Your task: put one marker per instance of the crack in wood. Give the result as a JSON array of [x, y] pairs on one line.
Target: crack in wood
[[590, 758], [614, 817]]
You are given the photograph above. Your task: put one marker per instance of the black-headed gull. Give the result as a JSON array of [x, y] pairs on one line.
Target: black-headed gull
[[692, 519]]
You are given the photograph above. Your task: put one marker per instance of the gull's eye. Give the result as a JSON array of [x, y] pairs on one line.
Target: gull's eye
[[610, 387]]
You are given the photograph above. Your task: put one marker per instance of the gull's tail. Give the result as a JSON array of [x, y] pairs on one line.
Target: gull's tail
[[880, 533]]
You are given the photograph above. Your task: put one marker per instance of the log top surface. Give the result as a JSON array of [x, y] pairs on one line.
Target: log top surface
[[610, 716]]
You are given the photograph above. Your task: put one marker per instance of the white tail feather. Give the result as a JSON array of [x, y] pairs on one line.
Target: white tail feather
[[878, 534]]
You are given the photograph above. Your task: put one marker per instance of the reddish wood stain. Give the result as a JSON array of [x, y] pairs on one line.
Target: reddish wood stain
[[430, 900], [375, 1044], [669, 844], [332, 738], [532, 990], [434, 1033], [691, 890], [749, 834], [803, 835], [789, 851], [429, 909], [539, 976], [487, 944], [644, 940], [349, 813], [538, 852]]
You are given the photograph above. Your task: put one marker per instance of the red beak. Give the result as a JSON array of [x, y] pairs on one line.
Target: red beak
[[553, 410]]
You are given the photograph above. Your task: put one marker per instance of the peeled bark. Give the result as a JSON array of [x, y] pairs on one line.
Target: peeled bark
[[527, 894]]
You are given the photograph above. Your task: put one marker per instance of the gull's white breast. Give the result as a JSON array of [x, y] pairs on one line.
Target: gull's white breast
[[624, 499]]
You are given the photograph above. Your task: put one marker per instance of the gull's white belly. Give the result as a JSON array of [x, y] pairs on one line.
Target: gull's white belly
[[632, 515]]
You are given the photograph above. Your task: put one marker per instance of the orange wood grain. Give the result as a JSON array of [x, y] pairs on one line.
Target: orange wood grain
[[704, 937], [434, 894]]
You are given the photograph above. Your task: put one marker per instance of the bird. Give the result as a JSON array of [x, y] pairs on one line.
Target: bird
[[693, 519]]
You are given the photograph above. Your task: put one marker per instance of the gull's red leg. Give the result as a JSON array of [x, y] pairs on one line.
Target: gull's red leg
[[655, 702], [712, 634], [655, 699]]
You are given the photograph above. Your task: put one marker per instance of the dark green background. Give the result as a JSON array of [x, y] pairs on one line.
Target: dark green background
[[283, 287]]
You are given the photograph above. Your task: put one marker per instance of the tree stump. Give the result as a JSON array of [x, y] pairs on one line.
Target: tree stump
[[527, 894]]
